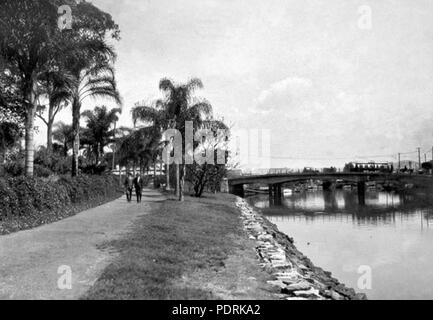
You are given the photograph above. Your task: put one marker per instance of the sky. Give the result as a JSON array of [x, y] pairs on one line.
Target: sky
[[329, 81]]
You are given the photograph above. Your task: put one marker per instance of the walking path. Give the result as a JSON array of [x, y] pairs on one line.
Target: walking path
[[34, 262]]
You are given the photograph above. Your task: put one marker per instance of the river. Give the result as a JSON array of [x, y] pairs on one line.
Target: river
[[383, 248]]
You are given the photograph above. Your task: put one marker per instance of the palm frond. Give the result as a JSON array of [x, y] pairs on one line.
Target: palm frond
[[194, 84], [105, 93], [166, 85], [145, 114]]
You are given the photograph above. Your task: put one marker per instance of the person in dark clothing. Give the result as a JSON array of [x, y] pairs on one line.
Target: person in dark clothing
[[129, 184], [138, 185]]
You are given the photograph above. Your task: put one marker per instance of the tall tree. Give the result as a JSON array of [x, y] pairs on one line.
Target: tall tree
[[94, 80], [28, 39], [140, 146], [179, 106], [210, 170], [31, 43], [98, 133], [90, 62], [56, 88]]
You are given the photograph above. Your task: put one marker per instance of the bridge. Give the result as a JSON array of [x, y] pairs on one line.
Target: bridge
[[275, 181]]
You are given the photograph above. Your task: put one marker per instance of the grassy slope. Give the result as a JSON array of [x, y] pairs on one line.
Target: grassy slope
[[190, 250]]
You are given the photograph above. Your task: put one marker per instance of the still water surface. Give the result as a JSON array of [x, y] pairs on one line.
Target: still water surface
[[392, 234]]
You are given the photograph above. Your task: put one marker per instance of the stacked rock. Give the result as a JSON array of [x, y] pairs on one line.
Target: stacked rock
[[292, 273]]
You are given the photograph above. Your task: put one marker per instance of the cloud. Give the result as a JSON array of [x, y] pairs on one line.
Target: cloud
[[284, 89]]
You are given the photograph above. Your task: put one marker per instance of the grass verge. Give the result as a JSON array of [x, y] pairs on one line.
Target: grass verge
[[191, 250]]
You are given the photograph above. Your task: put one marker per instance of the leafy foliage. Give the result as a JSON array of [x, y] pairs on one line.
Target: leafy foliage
[[29, 202], [9, 134], [97, 133], [179, 106], [208, 175], [33, 49], [63, 133]]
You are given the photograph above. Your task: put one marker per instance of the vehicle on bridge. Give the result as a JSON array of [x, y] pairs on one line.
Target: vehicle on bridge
[[310, 170], [382, 167], [329, 170]]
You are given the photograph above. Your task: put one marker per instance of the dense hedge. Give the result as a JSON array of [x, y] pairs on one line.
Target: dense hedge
[[28, 202]]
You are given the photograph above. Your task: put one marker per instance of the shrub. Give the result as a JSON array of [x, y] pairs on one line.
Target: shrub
[[159, 180], [14, 168], [8, 199], [29, 202], [94, 169], [44, 166], [55, 162], [41, 171]]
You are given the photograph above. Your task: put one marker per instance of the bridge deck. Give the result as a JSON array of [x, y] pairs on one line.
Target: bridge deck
[[294, 177]]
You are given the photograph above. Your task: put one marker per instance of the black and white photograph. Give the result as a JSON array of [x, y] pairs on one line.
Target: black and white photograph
[[229, 151]]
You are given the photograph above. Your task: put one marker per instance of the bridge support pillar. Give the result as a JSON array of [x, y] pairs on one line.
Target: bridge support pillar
[[271, 195], [237, 190], [326, 185], [361, 192], [276, 194]]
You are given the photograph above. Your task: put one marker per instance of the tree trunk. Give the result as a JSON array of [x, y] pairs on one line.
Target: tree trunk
[[30, 129], [101, 151], [200, 192], [177, 180], [154, 174], [120, 175], [167, 176], [160, 169], [50, 129], [65, 148], [2, 163], [97, 155], [50, 137], [76, 132], [29, 149], [182, 183]]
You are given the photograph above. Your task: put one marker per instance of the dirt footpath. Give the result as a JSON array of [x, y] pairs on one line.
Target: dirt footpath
[[39, 263]]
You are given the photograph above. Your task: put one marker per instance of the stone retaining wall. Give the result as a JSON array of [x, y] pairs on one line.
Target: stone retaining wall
[[294, 274]]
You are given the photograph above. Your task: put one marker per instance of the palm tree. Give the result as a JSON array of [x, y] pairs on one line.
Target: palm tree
[[28, 42], [63, 133], [97, 132], [56, 87], [93, 80], [178, 107], [31, 43], [140, 146]]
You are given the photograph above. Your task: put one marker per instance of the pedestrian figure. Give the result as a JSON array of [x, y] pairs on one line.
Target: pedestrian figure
[[129, 184], [138, 185]]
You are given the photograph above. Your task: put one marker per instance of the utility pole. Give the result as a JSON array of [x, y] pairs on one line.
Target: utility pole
[[419, 158], [399, 162], [425, 157], [431, 171]]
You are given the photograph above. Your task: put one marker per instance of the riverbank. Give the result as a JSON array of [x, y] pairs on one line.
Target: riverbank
[[294, 275], [197, 249], [214, 247]]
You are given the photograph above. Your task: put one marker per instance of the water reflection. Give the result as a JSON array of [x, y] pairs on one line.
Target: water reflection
[[391, 233], [380, 207]]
